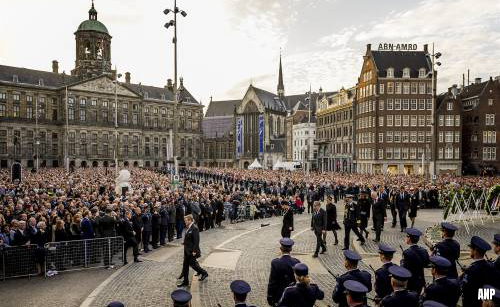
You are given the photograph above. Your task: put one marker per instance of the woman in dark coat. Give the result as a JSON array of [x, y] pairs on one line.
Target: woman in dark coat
[[331, 219]]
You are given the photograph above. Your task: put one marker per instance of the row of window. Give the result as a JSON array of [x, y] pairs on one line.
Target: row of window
[[406, 88], [395, 105], [345, 131], [449, 136], [336, 117], [489, 153], [406, 153], [407, 120]]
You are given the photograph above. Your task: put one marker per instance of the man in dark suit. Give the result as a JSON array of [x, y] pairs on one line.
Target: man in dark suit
[[191, 252], [318, 225], [351, 221], [147, 228], [21, 235], [379, 215], [137, 224], [86, 224], [403, 204], [353, 273], [281, 275], [383, 285], [415, 259], [155, 225], [287, 228], [127, 230], [107, 229], [163, 224]]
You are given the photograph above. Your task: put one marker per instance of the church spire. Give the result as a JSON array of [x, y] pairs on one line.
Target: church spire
[[92, 12], [281, 86]]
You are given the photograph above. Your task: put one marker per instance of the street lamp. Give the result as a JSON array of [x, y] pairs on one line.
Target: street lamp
[[173, 23], [434, 57]]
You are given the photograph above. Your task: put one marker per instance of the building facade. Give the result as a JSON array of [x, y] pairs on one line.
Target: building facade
[[47, 116], [305, 150], [480, 102], [393, 112], [218, 134], [335, 131]]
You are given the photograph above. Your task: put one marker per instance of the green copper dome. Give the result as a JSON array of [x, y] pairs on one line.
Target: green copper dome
[[93, 25]]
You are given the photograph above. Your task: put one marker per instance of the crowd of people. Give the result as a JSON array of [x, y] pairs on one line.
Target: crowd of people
[[52, 205]]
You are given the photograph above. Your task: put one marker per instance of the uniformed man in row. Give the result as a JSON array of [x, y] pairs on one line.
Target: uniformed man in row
[[181, 298], [302, 293], [356, 293], [443, 289], [281, 275], [415, 259], [353, 273], [496, 263], [240, 289], [287, 228], [449, 248], [351, 221], [383, 285], [478, 274], [401, 297]]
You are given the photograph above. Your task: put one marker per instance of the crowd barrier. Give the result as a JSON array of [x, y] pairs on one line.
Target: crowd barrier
[[29, 260]]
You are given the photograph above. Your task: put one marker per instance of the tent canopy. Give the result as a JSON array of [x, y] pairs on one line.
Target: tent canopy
[[278, 165], [255, 164]]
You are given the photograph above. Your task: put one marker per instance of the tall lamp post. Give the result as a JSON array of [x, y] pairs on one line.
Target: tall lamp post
[[173, 23], [434, 57]]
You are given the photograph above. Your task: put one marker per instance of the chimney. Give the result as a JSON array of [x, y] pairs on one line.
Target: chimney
[[426, 48], [181, 82], [368, 47], [170, 86], [55, 67], [127, 77], [477, 80]]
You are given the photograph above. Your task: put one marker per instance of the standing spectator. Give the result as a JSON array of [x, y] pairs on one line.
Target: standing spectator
[[163, 223], [138, 224], [21, 236], [86, 226], [171, 221], [147, 229], [155, 225]]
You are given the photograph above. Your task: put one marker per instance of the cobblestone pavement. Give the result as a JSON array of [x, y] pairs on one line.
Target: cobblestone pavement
[[150, 283]]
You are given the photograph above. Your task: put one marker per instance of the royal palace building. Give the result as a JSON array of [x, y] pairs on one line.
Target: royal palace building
[[46, 116]]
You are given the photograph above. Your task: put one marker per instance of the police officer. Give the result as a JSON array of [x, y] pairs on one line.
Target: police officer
[[415, 259], [353, 273], [401, 296], [383, 285], [443, 289], [303, 293], [281, 275], [356, 293], [449, 248], [364, 204], [496, 263], [115, 304], [181, 298], [287, 228], [240, 289], [477, 274], [351, 219]]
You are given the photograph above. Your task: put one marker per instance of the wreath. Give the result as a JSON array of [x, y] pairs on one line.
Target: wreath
[[493, 200]]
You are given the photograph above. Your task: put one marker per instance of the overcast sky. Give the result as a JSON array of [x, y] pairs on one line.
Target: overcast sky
[[226, 44]]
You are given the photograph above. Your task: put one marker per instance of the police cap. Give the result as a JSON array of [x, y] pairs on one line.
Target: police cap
[[479, 244], [385, 249], [399, 273], [181, 296], [448, 226], [351, 255], [116, 304], [240, 287], [286, 242], [355, 286], [301, 269], [414, 232], [348, 196], [440, 262]]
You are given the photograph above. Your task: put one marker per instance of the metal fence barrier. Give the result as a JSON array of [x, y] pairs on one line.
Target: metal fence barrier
[[19, 261], [83, 254]]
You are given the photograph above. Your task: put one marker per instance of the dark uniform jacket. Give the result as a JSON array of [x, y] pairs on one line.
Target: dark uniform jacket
[[402, 298], [449, 249], [281, 276], [379, 209], [443, 290], [137, 223], [301, 296], [383, 285], [363, 277], [107, 226], [403, 201], [318, 221], [351, 214], [476, 276], [192, 241], [415, 259]]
